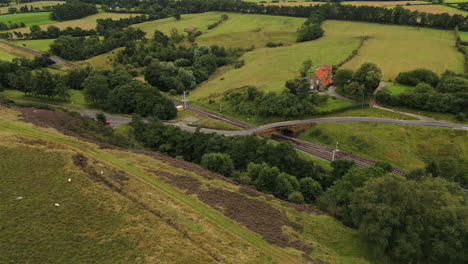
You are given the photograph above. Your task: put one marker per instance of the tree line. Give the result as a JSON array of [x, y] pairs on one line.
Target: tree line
[[80, 48], [449, 93], [271, 168], [397, 15], [52, 32], [72, 10]]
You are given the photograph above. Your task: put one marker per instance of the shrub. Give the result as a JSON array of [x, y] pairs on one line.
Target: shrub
[[296, 197], [218, 162]]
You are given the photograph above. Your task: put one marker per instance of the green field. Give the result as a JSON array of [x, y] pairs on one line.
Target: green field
[[98, 224], [398, 88], [39, 18], [372, 112], [103, 61], [405, 146], [400, 48], [463, 35], [270, 68], [37, 44], [88, 22], [238, 31], [76, 99], [6, 56], [39, 4]]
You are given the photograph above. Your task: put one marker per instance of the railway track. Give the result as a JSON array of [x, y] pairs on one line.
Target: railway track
[[326, 153], [314, 149], [217, 116]]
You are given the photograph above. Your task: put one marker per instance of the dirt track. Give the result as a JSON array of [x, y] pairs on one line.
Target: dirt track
[[36, 53]]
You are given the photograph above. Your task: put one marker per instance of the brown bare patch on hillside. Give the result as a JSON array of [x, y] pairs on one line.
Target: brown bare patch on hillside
[[258, 216]]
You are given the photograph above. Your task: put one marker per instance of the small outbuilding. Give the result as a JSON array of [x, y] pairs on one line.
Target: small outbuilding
[[321, 79]]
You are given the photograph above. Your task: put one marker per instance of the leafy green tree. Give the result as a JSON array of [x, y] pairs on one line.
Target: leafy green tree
[[413, 221], [453, 85], [218, 162], [309, 32], [337, 198], [283, 186], [299, 87], [368, 75], [305, 68], [96, 88], [343, 77], [296, 197], [340, 168], [423, 88], [310, 189], [61, 89]]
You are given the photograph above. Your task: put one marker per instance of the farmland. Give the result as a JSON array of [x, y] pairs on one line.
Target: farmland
[[88, 22], [400, 48], [39, 4], [356, 3], [269, 68], [37, 44], [39, 18], [404, 146], [239, 30], [6, 56], [152, 213], [436, 9]]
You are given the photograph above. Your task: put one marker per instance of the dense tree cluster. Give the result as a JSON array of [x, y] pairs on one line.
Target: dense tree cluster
[[116, 91], [361, 83], [17, 74], [80, 48], [176, 68], [292, 102], [413, 218], [449, 93], [52, 32], [275, 169], [72, 10]]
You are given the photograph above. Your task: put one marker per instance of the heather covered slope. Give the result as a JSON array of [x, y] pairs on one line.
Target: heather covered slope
[[131, 206]]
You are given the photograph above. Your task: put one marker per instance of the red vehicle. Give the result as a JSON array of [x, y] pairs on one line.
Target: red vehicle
[[107, 122]]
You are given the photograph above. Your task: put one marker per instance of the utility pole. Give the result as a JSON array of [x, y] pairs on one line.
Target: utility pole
[[220, 108], [335, 151], [184, 99]]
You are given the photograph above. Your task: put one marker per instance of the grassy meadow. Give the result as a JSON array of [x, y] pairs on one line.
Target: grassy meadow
[[39, 18], [39, 4], [37, 44], [88, 22], [398, 88], [6, 56], [103, 61], [13, 51], [240, 30], [143, 221], [270, 68], [403, 146], [76, 98], [400, 48]]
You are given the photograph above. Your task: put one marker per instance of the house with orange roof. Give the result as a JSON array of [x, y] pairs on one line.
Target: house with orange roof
[[321, 79]]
